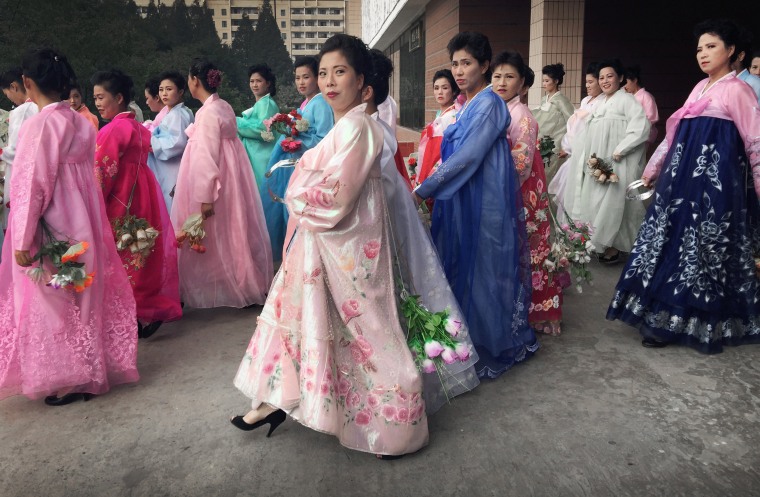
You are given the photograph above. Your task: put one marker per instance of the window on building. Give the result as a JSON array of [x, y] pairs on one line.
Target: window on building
[[335, 23], [237, 10], [323, 34], [299, 46], [311, 46], [224, 36], [322, 12], [322, 23], [282, 12], [284, 36], [335, 12], [296, 11], [310, 12], [311, 23], [224, 12], [283, 24], [296, 34], [310, 35], [296, 23], [224, 23], [235, 22]]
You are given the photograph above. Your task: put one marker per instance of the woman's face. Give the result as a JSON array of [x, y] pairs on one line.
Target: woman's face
[[609, 80], [754, 66], [549, 84], [154, 103], [713, 56], [339, 83], [108, 104], [75, 99], [507, 82], [468, 72], [592, 86], [306, 82], [259, 85], [169, 93], [443, 92], [631, 86]]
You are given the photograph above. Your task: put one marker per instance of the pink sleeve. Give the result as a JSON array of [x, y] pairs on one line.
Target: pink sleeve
[[522, 136], [35, 169], [205, 159], [321, 203], [652, 171], [110, 144], [742, 107]]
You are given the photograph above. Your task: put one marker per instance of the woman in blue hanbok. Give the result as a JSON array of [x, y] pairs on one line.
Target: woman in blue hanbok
[[691, 276], [477, 221], [168, 140], [320, 117]]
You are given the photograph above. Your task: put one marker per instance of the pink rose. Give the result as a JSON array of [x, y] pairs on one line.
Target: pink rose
[[371, 249], [363, 344], [453, 326], [357, 354], [309, 371], [343, 386], [324, 389], [416, 412], [350, 309], [352, 400], [328, 376], [388, 412], [363, 417], [373, 401], [268, 368], [402, 415], [449, 356], [276, 357], [309, 385], [463, 351], [319, 198], [428, 366], [433, 348], [278, 307]]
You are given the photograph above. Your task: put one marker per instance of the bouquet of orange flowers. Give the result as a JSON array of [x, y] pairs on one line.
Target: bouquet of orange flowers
[[63, 255], [192, 232]]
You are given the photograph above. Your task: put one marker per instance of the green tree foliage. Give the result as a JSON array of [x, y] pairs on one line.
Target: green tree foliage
[[271, 49], [100, 34]]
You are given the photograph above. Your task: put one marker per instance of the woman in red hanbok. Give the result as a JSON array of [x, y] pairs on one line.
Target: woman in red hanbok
[[130, 188], [546, 300], [446, 92]]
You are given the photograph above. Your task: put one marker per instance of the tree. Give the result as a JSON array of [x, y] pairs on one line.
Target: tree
[[268, 41]]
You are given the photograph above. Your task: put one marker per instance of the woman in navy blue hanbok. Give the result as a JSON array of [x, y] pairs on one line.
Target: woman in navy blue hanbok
[[691, 276], [477, 222]]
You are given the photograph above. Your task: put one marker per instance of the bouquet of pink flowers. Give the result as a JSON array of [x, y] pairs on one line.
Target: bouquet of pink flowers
[[432, 336], [290, 125]]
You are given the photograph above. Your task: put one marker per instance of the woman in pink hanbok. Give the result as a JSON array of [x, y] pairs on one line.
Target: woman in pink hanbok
[[234, 266], [328, 349], [130, 188], [633, 86], [58, 342], [509, 70]]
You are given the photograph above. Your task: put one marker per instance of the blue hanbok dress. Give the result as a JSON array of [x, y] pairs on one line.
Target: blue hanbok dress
[[320, 117], [168, 141], [691, 275], [478, 227]]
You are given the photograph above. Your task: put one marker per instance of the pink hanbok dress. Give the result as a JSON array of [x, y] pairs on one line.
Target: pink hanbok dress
[[236, 269], [328, 346], [545, 312], [650, 109], [51, 339], [121, 164]]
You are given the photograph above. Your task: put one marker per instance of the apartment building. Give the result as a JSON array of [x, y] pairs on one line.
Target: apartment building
[[305, 24]]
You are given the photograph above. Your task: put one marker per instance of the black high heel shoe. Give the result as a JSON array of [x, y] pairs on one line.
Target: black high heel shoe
[[148, 330], [274, 420], [54, 400]]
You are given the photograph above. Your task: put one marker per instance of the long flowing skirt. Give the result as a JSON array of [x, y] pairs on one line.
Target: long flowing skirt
[[275, 213], [691, 275]]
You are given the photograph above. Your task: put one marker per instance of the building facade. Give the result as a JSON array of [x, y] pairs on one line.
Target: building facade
[[305, 24]]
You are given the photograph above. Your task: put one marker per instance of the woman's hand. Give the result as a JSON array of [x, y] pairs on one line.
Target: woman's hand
[[207, 210], [647, 182], [23, 258], [617, 157], [562, 154]]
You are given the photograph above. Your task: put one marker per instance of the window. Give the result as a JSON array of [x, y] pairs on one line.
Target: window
[[312, 46], [323, 34], [224, 36], [237, 10], [335, 23], [322, 23], [224, 23], [310, 12], [296, 34], [282, 12], [284, 36], [310, 35], [299, 46], [335, 12], [296, 23], [322, 12], [235, 22], [224, 12], [311, 23], [296, 11], [283, 24]]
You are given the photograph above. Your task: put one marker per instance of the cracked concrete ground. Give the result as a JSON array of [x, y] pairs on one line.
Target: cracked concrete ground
[[593, 413]]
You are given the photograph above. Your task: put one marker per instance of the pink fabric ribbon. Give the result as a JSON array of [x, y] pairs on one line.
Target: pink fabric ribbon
[[691, 109]]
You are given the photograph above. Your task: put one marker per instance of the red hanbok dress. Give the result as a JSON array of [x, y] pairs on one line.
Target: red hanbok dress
[[545, 311], [121, 156]]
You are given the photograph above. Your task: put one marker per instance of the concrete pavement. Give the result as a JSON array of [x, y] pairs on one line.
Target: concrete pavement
[[592, 414]]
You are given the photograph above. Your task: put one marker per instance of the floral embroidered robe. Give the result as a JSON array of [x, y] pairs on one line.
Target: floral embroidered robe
[[328, 347]]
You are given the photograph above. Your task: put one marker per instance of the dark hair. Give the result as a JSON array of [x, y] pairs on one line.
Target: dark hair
[[530, 77], [555, 71], [49, 70], [200, 69], [724, 29], [12, 75], [446, 73], [265, 72], [115, 82], [75, 86], [382, 67], [175, 77], [514, 59], [353, 49], [593, 69], [634, 73], [615, 64], [307, 61], [744, 45], [152, 85], [475, 44]]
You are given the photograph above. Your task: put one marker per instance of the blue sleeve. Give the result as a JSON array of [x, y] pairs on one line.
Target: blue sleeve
[[320, 117], [169, 139], [479, 130]]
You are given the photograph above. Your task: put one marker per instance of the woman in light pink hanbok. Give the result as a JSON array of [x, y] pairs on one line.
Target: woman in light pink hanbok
[[633, 86], [216, 180], [328, 347], [56, 342]]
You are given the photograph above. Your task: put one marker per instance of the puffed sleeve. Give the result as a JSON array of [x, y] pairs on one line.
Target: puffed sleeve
[[169, 139], [252, 125], [479, 131], [110, 145], [204, 162], [742, 107], [35, 172], [637, 130], [320, 204], [522, 135]]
